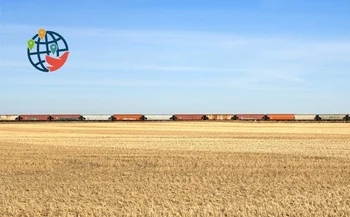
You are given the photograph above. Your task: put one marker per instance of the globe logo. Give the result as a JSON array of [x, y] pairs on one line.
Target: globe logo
[[47, 51]]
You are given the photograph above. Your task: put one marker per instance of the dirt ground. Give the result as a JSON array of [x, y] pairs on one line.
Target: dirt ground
[[175, 169]]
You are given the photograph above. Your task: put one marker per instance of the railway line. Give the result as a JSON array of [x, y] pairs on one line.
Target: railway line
[[177, 117]]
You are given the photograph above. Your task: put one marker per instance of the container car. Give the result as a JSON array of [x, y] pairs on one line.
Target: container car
[[330, 117], [64, 117], [219, 116], [9, 117], [280, 117], [155, 117], [34, 117], [127, 117], [188, 117], [249, 117], [305, 117], [96, 117]]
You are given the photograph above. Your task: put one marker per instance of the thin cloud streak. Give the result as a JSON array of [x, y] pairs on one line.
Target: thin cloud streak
[[243, 83], [195, 37]]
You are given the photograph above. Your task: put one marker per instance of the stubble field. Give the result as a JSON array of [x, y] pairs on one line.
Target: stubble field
[[175, 169]]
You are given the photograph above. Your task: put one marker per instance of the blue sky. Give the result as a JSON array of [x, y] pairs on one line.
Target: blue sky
[[152, 56]]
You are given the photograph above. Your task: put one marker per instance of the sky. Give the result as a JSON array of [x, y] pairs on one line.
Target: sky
[[183, 56]]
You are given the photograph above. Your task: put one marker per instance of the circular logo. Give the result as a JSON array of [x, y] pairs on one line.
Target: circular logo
[[47, 51]]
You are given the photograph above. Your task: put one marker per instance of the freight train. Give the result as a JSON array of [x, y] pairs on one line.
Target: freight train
[[176, 117]]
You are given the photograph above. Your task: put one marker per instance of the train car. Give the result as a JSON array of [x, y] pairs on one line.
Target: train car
[[34, 117], [188, 117], [331, 117], [305, 117], [249, 117], [219, 117], [9, 117], [127, 117], [155, 117], [280, 117], [66, 117], [96, 117]]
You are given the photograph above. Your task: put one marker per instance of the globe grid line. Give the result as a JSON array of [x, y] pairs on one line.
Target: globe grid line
[[42, 61], [47, 45], [54, 38], [42, 52], [50, 41], [36, 53], [39, 57]]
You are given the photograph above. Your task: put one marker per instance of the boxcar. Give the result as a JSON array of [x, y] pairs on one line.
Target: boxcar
[[250, 117], [305, 117], [155, 117], [219, 117], [280, 117], [188, 117], [34, 117], [8, 117], [96, 117], [330, 117], [71, 117], [128, 117]]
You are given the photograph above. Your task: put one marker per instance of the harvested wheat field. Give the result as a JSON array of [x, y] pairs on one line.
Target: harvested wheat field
[[175, 169]]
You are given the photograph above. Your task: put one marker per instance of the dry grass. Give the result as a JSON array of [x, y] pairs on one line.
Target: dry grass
[[175, 169]]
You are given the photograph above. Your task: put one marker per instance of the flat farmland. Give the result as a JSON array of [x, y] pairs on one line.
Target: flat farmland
[[175, 169]]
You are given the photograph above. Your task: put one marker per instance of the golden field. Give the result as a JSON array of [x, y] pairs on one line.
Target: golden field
[[175, 169]]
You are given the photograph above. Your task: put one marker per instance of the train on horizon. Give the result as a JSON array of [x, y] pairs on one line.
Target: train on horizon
[[176, 117]]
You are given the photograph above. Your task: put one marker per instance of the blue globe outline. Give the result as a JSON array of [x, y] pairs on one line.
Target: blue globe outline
[[47, 51]]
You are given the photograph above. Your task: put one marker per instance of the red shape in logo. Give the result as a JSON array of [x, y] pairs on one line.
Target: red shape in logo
[[56, 63]]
